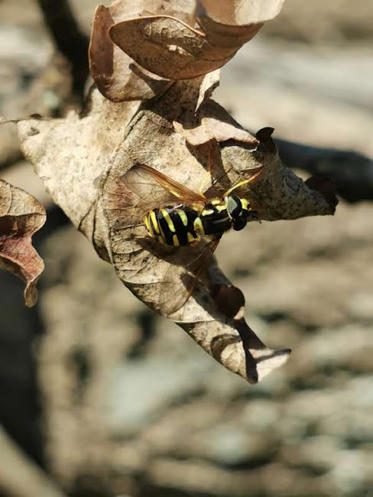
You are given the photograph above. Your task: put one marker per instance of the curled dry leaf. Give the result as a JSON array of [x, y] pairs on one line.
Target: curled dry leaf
[[21, 215], [208, 124], [89, 165], [238, 12], [138, 48], [168, 47], [117, 76]]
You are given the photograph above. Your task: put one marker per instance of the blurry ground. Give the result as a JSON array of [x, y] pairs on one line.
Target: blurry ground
[[130, 404]]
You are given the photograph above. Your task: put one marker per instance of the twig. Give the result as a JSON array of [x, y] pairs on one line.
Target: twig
[[352, 172], [69, 39]]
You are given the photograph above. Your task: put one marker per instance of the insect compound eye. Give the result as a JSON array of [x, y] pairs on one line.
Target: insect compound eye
[[234, 206], [240, 222]]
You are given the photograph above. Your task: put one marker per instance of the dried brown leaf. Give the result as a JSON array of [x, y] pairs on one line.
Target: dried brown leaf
[[167, 46], [21, 215], [208, 84], [138, 48], [238, 12], [117, 76], [71, 154], [212, 122]]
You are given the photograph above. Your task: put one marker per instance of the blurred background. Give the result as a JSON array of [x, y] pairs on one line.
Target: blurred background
[[110, 399]]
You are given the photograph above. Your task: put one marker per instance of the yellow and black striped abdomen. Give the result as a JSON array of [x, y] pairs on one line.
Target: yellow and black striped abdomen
[[174, 226]]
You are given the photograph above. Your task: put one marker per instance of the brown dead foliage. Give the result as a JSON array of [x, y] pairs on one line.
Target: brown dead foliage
[[82, 160], [86, 160], [21, 215], [138, 48]]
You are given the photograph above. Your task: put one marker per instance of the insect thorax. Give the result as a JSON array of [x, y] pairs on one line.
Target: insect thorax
[[214, 217]]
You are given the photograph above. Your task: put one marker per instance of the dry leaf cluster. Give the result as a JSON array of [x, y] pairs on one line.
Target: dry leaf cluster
[[20, 216], [155, 64], [139, 48]]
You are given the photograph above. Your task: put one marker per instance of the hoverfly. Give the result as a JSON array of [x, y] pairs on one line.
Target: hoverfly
[[176, 217], [195, 215]]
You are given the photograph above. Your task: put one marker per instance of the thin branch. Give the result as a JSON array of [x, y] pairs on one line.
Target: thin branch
[[69, 39], [352, 172]]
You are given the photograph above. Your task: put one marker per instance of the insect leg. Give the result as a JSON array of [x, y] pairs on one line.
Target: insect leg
[[245, 181]]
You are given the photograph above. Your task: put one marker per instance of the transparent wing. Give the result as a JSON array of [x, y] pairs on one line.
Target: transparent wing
[[176, 189], [129, 197], [142, 189], [178, 285]]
